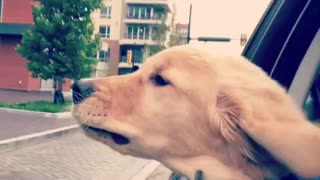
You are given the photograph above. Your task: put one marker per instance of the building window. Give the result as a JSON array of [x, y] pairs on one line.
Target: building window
[[105, 12], [148, 13], [135, 32], [146, 32], [138, 32], [130, 30], [143, 13], [131, 12], [137, 12], [104, 31], [109, 12], [104, 56]]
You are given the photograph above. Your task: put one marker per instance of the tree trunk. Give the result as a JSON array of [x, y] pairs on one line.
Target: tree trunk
[[58, 95]]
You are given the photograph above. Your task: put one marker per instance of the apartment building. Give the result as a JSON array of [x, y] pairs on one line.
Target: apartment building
[[123, 25], [126, 25]]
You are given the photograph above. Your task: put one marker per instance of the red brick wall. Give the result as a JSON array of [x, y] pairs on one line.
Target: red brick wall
[[34, 84], [13, 74], [66, 85], [18, 11], [114, 56]]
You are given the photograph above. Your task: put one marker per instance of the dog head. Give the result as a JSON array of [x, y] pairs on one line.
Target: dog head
[[183, 102]]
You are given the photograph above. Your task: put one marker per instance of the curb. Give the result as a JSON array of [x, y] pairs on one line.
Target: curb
[[18, 142], [63, 115], [146, 171]]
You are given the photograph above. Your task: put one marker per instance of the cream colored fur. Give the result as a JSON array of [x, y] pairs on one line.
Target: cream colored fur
[[220, 114]]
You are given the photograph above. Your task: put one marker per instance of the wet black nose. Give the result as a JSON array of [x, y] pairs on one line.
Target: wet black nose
[[82, 90]]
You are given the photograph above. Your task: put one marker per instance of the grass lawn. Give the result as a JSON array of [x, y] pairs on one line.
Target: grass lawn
[[41, 106]]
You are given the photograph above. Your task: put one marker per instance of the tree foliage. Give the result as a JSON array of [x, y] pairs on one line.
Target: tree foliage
[[159, 36], [173, 28], [58, 44], [175, 38]]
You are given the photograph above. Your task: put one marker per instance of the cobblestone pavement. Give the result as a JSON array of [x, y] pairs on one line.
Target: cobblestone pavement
[[73, 157]]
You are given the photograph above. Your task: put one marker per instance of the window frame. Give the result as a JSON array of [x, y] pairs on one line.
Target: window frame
[[284, 32], [105, 35], [286, 43], [145, 32], [107, 11], [110, 12], [106, 55]]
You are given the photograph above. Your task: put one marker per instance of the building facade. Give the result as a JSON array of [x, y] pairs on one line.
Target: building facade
[[127, 26], [123, 25]]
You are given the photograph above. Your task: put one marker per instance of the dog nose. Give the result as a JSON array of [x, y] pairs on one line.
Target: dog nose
[[81, 90]]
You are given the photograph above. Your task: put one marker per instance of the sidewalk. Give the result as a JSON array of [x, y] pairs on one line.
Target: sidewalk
[[15, 124], [78, 156], [10, 96], [71, 157]]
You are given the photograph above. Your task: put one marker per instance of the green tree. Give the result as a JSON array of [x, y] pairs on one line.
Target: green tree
[[159, 36], [60, 42], [173, 38]]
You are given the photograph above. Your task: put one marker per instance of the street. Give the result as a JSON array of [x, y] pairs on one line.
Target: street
[[72, 157]]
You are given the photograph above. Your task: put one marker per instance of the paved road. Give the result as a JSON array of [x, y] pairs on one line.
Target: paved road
[[73, 157]]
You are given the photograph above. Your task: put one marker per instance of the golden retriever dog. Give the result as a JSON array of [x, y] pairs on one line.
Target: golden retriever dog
[[192, 110]]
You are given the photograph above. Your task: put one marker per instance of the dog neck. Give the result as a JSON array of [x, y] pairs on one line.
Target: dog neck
[[211, 167]]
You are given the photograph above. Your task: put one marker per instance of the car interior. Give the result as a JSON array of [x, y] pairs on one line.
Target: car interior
[[285, 44]]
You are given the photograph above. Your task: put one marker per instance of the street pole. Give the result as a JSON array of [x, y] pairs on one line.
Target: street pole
[[189, 24]]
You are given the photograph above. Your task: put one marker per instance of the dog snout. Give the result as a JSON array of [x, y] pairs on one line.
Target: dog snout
[[81, 90]]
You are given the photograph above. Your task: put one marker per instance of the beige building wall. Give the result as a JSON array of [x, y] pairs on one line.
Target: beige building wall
[[118, 40], [116, 18]]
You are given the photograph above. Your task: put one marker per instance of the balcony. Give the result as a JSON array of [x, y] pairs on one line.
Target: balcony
[[133, 20], [136, 40], [138, 60], [164, 3], [145, 15]]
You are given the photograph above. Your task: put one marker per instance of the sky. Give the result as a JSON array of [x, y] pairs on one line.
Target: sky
[[221, 18]]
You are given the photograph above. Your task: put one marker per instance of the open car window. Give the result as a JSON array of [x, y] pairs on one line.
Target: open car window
[[286, 46]]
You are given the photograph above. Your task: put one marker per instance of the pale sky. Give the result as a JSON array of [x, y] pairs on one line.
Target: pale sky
[[221, 18]]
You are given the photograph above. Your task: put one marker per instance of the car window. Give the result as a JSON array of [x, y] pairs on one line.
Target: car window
[[39, 138]]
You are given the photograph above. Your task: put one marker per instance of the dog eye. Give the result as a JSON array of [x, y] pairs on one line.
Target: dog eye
[[159, 80]]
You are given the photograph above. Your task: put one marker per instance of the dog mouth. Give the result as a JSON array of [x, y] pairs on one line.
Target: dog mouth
[[117, 138]]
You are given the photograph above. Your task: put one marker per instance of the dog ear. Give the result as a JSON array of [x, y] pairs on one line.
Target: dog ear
[[226, 118], [230, 113], [279, 127]]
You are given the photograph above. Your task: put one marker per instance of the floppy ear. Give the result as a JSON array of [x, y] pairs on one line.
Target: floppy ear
[[226, 118], [229, 114], [281, 128]]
